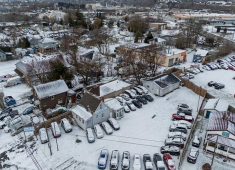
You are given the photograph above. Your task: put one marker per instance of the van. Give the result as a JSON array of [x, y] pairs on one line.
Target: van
[[114, 160], [55, 130], [13, 81]]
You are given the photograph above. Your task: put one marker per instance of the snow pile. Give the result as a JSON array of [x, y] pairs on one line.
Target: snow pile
[[58, 15]]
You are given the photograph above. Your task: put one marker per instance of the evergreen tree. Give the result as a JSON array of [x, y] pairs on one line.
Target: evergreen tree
[[118, 24], [61, 22], [218, 29]]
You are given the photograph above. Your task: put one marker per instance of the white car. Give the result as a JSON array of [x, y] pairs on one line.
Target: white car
[[35, 120], [177, 135], [125, 97], [90, 135], [107, 128], [4, 121], [113, 123], [43, 135], [184, 122], [66, 125], [131, 106], [143, 89], [98, 131], [136, 162], [126, 108], [206, 68]]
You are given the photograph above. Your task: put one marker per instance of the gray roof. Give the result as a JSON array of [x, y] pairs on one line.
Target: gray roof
[[50, 89], [221, 140], [90, 101]]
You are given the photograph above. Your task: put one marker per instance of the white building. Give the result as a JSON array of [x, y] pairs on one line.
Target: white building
[[114, 105]]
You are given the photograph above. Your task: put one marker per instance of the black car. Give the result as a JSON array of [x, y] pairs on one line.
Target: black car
[[6, 110], [211, 83], [142, 100], [219, 86], [137, 103], [173, 150], [148, 98], [147, 162], [157, 160], [13, 113], [2, 116]]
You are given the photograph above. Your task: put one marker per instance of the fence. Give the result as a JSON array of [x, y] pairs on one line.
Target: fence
[[47, 124]]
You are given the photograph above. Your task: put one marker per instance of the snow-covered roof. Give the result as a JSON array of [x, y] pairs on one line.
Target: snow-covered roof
[[113, 103], [202, 52], [216, 104], [81, 112], [222, 140], [50, 89], [47, 40], [137, 45]]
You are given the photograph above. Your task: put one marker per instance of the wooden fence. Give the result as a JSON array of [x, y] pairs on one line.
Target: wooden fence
[[47, 124]]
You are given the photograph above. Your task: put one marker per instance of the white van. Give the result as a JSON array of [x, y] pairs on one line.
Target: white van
[[13, 81], [55, 130]]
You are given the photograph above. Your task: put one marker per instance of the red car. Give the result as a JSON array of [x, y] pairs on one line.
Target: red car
[[169, 161], [182, 116], [231, 68]]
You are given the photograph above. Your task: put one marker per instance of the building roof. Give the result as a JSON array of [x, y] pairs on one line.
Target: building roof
[[221, 140], [113, 103], [47, 40], [202, 53], [164, 80], [222, 121], [216, 104], [50, 89], [81, 112], [90, 101]]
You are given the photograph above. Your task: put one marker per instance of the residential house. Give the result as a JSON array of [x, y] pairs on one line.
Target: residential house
[[47, 45], [220, 134], [51, 94], [162, 84], [200, 55], [158, 25], [108, 90], [115, 107], [173, 56], [214, 105], [3, 56], [90, 111]]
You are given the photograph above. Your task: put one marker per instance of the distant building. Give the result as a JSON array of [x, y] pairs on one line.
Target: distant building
[[200, 55], [162, 84], [158, 26], [115, 107], [47, 45]]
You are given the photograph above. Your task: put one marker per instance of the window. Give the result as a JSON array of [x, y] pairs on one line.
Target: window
[[60, 101], [44, 105], [231, 150], [102, 114], [83, 121], [52, 98], [223, 148], [100, 106], [225, 134]]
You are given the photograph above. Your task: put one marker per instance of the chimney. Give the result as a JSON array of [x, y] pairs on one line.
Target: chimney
[[88, 108]]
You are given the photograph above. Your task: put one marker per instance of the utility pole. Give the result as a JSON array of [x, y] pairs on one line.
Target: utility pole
[[214, 152]]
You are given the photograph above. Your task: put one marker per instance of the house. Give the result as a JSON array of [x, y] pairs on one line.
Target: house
[[158, 25], [173, 56], [200, 55], [108, 90], [90, 111], [47, 45], [3, 56], [162, 84], [220, 134], [51, 94], [214, 105], [158, 41], [115, 107]]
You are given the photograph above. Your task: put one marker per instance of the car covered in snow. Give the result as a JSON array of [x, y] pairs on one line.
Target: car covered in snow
[[136, 162], [211, 83], [173, 150], [125, 97], [184, 108], [114, 124], [114, 160], [107, 128], [55, 130], [193, 154], [148, 97], [183, 122], [4, 122], [170, 164], [125, 164], [182, 116], [90, 136], [35, 120], [177, 135], [157, 159], [179, 142], [143, 89], [197, 141], [138, 91], [43, 135], [98, 131], [178, 128], [137, 103], [131, 106], [130, 94], [102, 161], [148, 165], [66, 125]]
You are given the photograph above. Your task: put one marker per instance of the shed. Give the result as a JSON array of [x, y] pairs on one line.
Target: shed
[[162, 84], [114, 105], [215, 105], [200, 55]]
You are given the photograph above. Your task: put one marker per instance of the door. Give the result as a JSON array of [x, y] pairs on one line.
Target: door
[[208, 114], [171, 62]]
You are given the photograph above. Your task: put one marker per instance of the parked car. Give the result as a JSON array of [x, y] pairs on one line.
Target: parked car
[[114, 124], [193, 154], [125, 97], [177, 135], [130, 94], [55, 130], [184, 122], [2, 116], [206, 68], [157, 159], [211, 83], [197, 141], [66, 125], [143, 89], [184, 108], [107, 128], [35, 120], [186, 112], [142, 100], [148, 165], [178, 128], [114, 160], [9, 100], [170, 164], [4, 121], [179, 142], [13, 113], [136, 162], [137, 103], [126, 108], [28, 110], [125, 164], [131, 106], [219, 86], [102, 161], [98, 131], [138, 91], [148, 98], [90, 136], [120, 99], [182, 116], [173, 150], [43, 135]]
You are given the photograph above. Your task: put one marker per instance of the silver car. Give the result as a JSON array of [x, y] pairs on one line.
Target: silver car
[[90, 135]]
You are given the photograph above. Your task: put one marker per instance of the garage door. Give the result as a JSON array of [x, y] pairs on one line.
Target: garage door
[[171, 62]]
